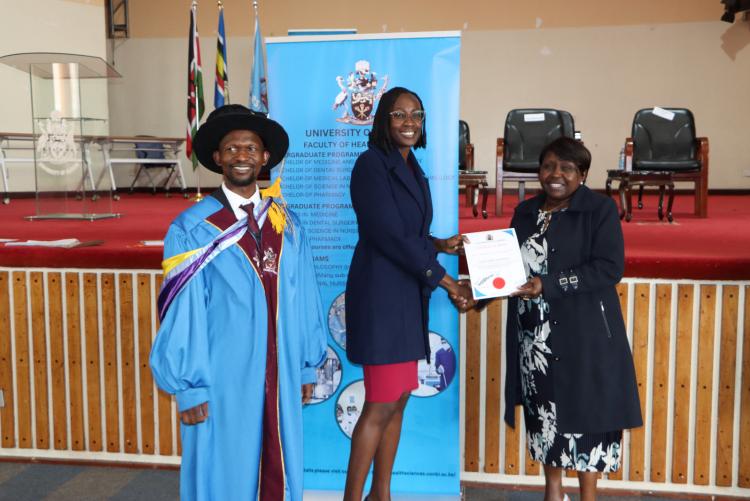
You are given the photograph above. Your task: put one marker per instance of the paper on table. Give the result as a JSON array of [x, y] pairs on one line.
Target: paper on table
[[65, 243], [153, 243], [495, 263]]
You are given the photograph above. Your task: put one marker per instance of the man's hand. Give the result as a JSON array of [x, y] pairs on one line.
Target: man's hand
[[532, 289], [307, 392], [195, 415]]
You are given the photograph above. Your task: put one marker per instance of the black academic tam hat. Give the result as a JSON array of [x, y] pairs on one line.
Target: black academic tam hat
[[224, 120]]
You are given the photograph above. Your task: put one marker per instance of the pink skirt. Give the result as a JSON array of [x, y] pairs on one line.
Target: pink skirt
[[387, 382]]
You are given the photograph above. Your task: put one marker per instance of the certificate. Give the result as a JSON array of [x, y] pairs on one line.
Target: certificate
[[495, 263]]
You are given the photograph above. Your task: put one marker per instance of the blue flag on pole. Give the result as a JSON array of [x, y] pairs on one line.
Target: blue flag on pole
[[258, 92], [221, 89]]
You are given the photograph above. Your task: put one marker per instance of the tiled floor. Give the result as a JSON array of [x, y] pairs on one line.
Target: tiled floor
[[57, 482]]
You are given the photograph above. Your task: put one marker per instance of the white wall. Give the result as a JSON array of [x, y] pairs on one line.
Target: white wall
[[602, 75], [69, 26], [151, 96]]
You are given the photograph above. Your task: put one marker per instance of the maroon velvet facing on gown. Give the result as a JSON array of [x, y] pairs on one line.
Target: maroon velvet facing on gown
[[263, 251]]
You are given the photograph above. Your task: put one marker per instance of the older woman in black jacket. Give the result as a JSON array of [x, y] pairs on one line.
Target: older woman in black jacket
[[568, 359]]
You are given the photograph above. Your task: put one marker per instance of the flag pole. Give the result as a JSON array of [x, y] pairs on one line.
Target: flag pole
[[226, 83], [198, 195], [258, 95], [221, 74]]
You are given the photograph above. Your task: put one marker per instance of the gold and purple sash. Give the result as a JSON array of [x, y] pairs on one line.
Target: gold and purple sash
[[180, 268]]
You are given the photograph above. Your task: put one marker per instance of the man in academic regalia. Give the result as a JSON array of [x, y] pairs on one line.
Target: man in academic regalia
[[242, 326]]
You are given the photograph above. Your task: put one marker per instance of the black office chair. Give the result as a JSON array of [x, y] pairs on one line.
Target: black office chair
[[465, 148], [153, 157], [664, 141], [527, 132], [473, 181], [568, 125]]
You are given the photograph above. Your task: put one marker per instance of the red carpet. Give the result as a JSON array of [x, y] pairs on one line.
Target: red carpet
[[713, 248], [143, 217]]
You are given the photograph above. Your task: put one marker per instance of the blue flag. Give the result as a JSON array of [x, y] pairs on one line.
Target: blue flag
[[221, 89], [258, 92]]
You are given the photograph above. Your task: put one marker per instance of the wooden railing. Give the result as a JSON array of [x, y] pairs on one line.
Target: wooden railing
[[692, 358], [74, 373]]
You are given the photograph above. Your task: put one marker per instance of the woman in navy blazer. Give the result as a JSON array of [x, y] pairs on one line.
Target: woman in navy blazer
[[392, 275]]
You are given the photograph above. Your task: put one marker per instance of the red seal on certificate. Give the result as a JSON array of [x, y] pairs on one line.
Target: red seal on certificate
[[498, 283]]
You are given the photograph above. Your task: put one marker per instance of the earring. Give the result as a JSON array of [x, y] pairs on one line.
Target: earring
[[581, 183]]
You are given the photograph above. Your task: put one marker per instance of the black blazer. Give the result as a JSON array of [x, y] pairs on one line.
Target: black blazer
[[394, 268], [594, 378]]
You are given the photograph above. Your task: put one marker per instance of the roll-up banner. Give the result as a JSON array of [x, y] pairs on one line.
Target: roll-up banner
[[324, 90]]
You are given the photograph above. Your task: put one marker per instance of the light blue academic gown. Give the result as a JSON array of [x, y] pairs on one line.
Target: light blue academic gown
[[211, 347]]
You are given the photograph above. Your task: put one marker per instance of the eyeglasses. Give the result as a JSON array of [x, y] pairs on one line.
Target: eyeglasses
[[417, 116]]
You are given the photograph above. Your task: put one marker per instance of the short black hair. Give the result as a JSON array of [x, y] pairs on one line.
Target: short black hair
[[570, 150], [380, 135]]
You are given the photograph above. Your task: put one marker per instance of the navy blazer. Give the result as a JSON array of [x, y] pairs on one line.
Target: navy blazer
[[593, 374], [394, 268]]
